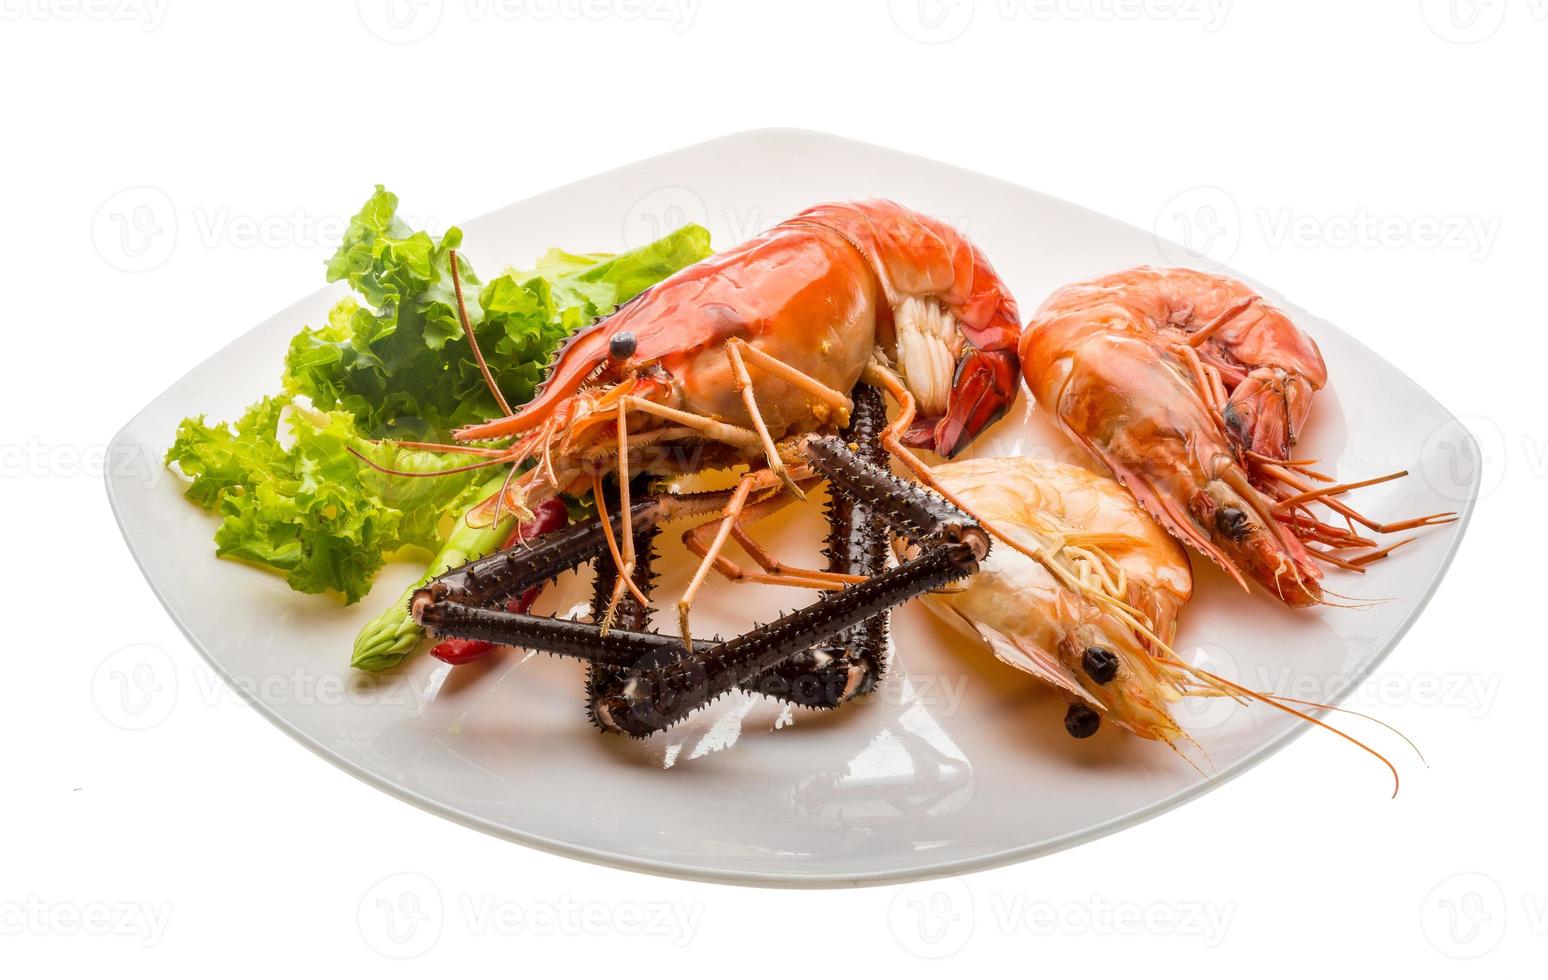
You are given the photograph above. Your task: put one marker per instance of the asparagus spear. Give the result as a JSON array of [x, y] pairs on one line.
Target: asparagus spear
[[387, 640]]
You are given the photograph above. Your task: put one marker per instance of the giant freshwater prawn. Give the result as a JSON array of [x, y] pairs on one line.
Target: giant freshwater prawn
[[751, 357]]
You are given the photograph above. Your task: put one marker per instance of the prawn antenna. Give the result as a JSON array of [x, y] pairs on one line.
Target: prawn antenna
[[390, 471], [1360, 714], [467, 329], [1284, 704]]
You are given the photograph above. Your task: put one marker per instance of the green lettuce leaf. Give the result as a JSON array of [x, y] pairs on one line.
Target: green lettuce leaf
[[294, 498], [392, 362], [397, 359]]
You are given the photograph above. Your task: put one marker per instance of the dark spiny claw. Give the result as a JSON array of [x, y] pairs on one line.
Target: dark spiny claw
[[851, 663], [656, 698], [563, 637], [810, 656], [829, 674], [660, 684], [495, 578], [917, 512]]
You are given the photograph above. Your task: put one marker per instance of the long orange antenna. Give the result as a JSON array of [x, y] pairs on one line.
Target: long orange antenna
[[1360, 714], [467, 329], [1295, 482], [484, 465], [1279, 703], [1319, 493]]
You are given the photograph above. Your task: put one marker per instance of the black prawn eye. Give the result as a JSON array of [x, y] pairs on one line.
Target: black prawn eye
[[1081, 721], [1101, 664], [1231, 522], [621, 347]]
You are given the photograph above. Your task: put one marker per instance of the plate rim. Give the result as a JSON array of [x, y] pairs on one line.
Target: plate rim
[[792, 879]]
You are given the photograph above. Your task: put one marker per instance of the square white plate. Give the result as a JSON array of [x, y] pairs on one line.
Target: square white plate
[[958, 762]]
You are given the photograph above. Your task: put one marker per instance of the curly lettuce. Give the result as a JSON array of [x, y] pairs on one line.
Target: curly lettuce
[[392, 362], [397, 359]]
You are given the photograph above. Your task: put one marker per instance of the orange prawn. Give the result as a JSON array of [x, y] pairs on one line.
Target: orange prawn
[[1193, 391]]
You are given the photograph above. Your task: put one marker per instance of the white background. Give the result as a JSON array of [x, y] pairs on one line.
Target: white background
[[1382, 164]]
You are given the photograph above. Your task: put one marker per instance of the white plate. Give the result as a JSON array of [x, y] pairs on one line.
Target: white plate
[[957, 763]]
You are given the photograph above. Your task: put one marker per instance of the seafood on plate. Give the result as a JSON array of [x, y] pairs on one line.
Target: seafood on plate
[[749, 358], [1194, 391]]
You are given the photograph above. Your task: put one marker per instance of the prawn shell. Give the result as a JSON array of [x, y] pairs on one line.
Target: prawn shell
[[1032, 621]]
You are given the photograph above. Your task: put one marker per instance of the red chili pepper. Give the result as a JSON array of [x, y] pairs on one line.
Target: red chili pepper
[[550, 515], [455, 651]]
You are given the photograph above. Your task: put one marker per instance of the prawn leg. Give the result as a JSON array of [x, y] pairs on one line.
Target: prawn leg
[[739, 352], [775, 572], [729, 516]]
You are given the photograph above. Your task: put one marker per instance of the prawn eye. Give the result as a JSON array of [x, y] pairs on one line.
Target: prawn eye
[[1081, 722], [1231, 522], [1236, 424], [621, 346], [1100, 664]]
